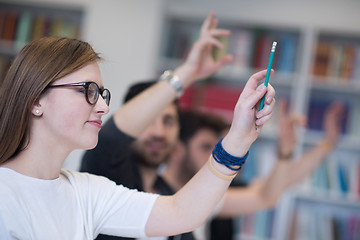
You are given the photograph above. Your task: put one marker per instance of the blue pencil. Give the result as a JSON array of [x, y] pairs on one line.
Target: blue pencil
[[268, 73]]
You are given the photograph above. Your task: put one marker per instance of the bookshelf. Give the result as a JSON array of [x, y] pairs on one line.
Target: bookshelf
[[315, 65], [21, 23]]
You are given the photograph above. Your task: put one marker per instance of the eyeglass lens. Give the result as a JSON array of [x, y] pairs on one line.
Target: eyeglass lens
[[106, 96], [93, 92]]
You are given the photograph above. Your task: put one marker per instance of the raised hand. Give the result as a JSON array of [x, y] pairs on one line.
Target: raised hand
[[286, 130], [200, 63], [247, 122], [332, 122]]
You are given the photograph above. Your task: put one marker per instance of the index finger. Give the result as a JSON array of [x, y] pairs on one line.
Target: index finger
[[208, 22], [254, 80]]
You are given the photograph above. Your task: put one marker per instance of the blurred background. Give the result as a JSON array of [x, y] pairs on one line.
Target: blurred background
[[317, 61]]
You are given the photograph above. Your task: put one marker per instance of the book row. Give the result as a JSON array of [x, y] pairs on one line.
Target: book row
[[338, 62], [349, 121], [255, 226], [311, 224], [221, 99], [338, 176], [21, 27], [250, 47]]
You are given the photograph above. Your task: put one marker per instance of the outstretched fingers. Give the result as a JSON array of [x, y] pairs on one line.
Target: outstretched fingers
[[209, 23], [209, 30]]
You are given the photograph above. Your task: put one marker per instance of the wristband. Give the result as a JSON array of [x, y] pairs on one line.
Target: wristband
[[219, 174], [226, 159], [174, 81], [284, 157]]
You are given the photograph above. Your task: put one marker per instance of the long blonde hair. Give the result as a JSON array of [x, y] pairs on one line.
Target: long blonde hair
[[37, 65]]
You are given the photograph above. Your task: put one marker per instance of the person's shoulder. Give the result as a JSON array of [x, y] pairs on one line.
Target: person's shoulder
[[75, 177]]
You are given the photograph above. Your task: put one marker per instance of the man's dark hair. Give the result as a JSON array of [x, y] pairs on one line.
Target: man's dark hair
[[192, 121], [139, 87]]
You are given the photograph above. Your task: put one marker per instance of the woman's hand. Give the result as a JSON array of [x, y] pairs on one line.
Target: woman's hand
[[247, 121]]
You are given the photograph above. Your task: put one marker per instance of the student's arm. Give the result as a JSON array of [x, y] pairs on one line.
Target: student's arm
[[264, 193], [190, 206], [138, 113], [297, 170]]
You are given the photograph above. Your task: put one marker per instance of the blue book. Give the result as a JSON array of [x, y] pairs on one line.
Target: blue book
[[23, 30], [344, 186], [287, 53]]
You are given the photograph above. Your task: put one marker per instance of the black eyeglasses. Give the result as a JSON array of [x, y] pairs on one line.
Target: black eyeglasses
[[92, 91]]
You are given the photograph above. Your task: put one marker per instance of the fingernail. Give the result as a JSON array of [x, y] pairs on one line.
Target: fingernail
[[259, 115], [269, 99], [261, 88]]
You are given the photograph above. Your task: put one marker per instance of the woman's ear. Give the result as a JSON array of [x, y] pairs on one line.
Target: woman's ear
[[37, 109]]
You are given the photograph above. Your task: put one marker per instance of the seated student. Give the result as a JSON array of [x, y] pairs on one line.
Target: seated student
[[51, 103], [200, 132]]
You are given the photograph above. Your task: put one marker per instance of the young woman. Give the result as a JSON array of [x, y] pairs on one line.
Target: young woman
[[51, 103]]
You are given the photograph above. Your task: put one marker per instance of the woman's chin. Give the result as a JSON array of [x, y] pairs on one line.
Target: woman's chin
[[89, 145]]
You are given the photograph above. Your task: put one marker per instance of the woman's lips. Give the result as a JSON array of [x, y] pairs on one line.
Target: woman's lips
[[96, 123]]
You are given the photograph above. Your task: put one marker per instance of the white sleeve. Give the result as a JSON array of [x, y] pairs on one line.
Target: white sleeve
[[114, 209]]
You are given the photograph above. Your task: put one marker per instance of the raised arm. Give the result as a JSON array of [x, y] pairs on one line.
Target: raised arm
[[138, 113], [256, 196], [264, 193], [190, 206], [312, 158]]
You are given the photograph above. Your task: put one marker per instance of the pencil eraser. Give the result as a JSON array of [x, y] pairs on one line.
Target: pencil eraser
[[273, 46]]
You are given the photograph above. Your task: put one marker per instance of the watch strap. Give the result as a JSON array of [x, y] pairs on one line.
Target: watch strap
[[174, 81]]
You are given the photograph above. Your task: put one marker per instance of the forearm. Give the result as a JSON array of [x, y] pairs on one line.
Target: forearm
[[310, 160], [139, 112], [288, 173], [191, 205], [242, 200]]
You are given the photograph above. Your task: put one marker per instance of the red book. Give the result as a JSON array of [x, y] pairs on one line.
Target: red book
[[9, 27], [2, 22], [187, 100], [259, 50]]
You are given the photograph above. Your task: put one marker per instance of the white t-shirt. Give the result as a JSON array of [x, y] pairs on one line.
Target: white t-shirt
[[73, 206]]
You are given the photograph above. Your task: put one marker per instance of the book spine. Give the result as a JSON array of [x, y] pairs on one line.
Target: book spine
[[9, 27]]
